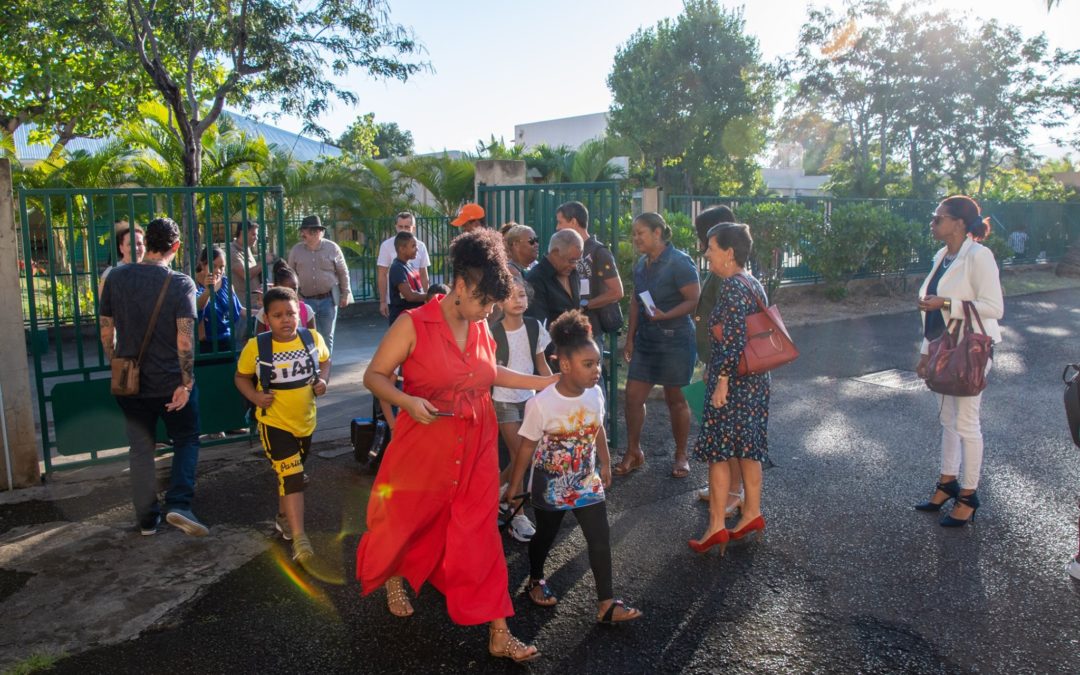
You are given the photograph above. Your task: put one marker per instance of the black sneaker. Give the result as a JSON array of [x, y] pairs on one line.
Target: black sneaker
[[150, 528]]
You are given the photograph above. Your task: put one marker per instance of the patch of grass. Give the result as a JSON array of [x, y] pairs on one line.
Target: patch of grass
[[35, 663], [1035, 281]]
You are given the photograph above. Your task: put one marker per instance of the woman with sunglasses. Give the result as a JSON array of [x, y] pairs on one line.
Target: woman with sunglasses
[[964, 270], [522, 248]]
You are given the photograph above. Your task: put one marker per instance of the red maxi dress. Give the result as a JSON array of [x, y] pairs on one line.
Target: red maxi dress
[[433, 508]]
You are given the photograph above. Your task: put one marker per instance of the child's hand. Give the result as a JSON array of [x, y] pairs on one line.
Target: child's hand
[[319, 387], [605, 475], [263, 399]]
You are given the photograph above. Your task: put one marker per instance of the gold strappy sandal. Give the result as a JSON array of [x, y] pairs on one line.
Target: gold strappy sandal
[[397, 600], [514, 649]]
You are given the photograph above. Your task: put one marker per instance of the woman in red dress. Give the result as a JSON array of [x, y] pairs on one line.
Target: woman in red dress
[[433, 508]]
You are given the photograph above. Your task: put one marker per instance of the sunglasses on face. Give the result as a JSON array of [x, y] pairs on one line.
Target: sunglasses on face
[[936, 220], [533, 241]]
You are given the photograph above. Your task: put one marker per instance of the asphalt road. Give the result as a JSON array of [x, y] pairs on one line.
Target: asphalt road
[[848, 578]]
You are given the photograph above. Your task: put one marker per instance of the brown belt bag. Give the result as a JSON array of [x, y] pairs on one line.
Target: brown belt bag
[[125, 370]]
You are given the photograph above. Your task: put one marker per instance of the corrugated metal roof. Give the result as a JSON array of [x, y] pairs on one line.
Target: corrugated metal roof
[[300, 147]]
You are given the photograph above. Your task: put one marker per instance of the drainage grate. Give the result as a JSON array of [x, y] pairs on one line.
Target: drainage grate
[[894, 378]]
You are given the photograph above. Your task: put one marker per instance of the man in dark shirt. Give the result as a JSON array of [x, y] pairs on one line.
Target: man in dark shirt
[[554, 280], [166, 375], [406, 287], [600, 284]]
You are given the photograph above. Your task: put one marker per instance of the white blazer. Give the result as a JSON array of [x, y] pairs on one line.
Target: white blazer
[[974, 277]]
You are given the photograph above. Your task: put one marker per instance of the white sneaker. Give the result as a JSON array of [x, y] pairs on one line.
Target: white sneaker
[[703, 494], [1074, 569], [521, 529]]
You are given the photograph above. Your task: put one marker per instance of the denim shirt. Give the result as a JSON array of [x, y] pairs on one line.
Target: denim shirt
[[664, 279]]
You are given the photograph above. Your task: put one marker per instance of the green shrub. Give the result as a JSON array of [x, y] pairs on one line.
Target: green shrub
[[775, 227], [853, 239]]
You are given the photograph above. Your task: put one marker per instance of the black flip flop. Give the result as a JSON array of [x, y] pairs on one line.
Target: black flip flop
[[609, 615]]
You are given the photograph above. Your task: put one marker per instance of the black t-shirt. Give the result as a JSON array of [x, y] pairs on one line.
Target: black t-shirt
[[128, 297]]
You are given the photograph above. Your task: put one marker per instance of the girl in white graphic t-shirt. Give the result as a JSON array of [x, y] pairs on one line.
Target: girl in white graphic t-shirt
[[520, 342], [564, 441]]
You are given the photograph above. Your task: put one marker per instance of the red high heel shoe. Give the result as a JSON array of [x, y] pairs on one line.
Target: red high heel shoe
[[720, 538], [755, 525]]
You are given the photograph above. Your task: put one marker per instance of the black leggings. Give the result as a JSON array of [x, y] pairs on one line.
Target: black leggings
[[594, 525]]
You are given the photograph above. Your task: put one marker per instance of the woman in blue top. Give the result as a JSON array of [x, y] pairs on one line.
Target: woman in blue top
[[660, 338]]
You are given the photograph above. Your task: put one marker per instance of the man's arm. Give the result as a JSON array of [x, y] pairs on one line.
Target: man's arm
[[343, 277], [185, 349], [382, 276], [409, 295], [424, 278], [108, 336], [613, 289]]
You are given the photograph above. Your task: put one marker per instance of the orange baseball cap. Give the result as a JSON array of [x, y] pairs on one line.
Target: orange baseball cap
[[467, 213]]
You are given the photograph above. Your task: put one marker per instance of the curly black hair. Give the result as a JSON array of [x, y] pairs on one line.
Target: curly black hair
[[570, 332], [479, 259], [279, 294]]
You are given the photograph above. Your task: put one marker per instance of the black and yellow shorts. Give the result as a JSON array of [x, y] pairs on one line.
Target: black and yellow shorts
[[286, 454]]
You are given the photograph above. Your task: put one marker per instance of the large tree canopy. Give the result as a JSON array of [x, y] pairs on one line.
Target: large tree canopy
[[692, 89], [54, 76], [943, 98], [200, 54]]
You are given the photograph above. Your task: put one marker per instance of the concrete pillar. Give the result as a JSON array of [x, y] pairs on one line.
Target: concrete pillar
[[651, 199], [21, 441], [502, 172]]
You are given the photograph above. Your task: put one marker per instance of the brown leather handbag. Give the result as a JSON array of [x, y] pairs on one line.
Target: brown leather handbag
[[768, 343], [957, 365], [125, 370]]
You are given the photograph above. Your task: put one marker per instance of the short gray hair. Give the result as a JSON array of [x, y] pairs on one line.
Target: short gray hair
[[564, 240]]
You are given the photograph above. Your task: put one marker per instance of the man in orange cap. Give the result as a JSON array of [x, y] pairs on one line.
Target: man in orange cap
[[469, 218]]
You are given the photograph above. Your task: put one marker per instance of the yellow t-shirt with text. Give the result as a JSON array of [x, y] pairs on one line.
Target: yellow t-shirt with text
[[293, 409]]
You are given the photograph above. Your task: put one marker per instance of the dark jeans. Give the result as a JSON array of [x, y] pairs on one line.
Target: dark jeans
[[594, 525], [141, 416]]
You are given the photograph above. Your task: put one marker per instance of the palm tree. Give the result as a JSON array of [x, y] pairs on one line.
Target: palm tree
[[449, 181]]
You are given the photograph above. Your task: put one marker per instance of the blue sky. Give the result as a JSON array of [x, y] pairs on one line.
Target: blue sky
[[501, 63]]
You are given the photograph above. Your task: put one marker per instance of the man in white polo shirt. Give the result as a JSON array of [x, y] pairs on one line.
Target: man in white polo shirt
[[406, 222]]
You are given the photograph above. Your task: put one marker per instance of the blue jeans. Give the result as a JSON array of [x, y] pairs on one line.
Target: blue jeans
[[325, 319], [141, 416]]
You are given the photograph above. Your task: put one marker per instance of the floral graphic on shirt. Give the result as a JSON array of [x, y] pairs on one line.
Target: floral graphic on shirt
[[566, 462]]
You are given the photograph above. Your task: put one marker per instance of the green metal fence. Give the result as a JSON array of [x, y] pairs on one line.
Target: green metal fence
[[535, 206], [1050, 226], [360, 240], [68, 240]]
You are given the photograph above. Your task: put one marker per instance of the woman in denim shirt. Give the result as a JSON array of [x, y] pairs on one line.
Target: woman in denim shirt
[[660, 339]]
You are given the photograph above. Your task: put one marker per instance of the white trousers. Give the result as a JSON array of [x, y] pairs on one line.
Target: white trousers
[[961, 438]]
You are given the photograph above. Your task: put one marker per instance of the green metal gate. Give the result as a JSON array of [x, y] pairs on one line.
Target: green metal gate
[[68, 239], [535, 206]]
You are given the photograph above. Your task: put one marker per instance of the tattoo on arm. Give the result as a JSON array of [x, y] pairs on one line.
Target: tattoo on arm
[[108, 336], [185, 347]]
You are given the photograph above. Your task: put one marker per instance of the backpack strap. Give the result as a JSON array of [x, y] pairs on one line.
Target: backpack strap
[[311, 348], [502, 345], [265, 366], [532, 329]]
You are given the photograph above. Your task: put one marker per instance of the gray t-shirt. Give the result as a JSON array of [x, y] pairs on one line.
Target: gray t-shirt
[[129, 297]]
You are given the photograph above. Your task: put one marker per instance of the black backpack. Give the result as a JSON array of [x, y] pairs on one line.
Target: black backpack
[[1072, 400], [265, 365], [502, 346]]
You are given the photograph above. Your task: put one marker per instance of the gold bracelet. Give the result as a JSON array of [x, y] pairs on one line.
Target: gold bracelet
[[947, 304]]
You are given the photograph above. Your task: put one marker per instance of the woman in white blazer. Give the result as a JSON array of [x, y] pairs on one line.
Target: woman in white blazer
[[963, 270]]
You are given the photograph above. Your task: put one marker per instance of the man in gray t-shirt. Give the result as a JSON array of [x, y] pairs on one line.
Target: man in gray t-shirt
[[166, 374]]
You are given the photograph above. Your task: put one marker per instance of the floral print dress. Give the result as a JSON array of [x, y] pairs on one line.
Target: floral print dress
[[740, 428]]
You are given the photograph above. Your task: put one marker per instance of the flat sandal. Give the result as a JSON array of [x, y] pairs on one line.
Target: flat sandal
[[512, 646]]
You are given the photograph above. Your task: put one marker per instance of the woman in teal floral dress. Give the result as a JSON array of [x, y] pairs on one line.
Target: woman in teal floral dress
[[736, 416]]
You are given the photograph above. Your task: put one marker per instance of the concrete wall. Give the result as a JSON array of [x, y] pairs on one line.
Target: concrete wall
[[571, 131]]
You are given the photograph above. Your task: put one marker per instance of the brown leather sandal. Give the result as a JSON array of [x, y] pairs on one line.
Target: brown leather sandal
[[397, 600], [514, 649]]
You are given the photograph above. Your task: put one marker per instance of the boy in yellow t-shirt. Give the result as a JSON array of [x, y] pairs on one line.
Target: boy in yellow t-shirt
[[286, 412]]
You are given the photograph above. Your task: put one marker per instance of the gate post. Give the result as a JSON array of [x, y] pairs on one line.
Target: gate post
[[21, 444]]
